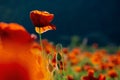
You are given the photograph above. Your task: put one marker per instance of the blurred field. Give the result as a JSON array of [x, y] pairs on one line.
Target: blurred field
[[79, 61]]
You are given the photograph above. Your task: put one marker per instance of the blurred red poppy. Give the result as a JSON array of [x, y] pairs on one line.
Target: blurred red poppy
[[90, 75], [13, 32], [112, 73], [20, 57]]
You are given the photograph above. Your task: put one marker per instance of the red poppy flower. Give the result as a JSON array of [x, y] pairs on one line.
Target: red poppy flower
[[112, 73], [13, 71], [90, 76], [70, 77], [101, 77], [42, 21], [20, 58], [13, 32]]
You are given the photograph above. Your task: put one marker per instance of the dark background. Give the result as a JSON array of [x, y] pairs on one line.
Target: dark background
[[96, 20]]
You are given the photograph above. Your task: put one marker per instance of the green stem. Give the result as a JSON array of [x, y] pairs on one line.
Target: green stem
[[63, 66], [40, 37]]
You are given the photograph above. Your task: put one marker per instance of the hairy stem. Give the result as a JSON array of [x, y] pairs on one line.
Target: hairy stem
[[40, 37]]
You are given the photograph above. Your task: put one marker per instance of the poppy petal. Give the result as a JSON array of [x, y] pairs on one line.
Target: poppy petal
[[45, 28], [14, 32], [41, 18]]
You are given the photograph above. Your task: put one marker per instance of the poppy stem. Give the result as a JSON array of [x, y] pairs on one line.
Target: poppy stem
[[40, 37]]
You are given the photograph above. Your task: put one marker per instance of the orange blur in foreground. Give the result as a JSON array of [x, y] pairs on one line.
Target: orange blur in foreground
[[20, 57]]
